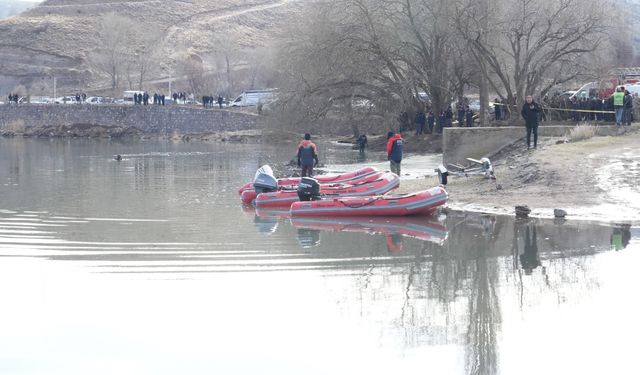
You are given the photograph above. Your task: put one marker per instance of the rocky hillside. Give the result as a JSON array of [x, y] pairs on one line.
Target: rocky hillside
[[55, 37]]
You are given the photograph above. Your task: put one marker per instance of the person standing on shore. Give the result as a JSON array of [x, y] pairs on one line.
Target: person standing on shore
[[448, 117], [469, 116], [618, 105], [531, 115], [420, 120], [307, 156], [362, 142], [394, 151], [628, 108], [461, 114], [431, 119]]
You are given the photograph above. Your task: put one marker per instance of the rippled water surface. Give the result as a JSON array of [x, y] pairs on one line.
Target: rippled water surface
[[151, 266]]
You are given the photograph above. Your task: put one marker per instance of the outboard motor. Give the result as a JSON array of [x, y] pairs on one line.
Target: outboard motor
[[443, 173], [487, 168], [264, 181], [308, 189]]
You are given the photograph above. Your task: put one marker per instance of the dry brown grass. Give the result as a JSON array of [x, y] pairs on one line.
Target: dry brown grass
[[582, 132], [13, 127]]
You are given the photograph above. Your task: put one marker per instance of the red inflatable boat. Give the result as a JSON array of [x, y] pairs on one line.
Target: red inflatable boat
[[350, 177], [423, 202], [382, 185], [248, 196]]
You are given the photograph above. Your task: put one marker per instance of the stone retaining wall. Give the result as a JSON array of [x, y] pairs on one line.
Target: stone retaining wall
[[149, 119]]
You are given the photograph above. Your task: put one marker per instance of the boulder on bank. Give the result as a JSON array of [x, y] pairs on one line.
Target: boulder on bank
[[559, 213], [522, 211]]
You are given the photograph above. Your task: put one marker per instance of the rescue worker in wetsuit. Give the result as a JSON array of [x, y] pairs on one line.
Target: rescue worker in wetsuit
[[394, 151], [307, 155]]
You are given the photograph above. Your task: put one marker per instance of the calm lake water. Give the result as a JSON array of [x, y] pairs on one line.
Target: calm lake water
[[152, 266]]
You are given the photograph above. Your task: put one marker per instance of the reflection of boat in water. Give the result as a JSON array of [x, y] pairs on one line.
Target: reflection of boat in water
[[422, 228], [266, 221]]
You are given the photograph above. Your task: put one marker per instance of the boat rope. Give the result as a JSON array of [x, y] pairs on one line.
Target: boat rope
[[359, 205]]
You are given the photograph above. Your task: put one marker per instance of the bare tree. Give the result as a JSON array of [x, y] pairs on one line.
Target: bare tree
[[192, 69], [387, 53], [144, 57], [533, 44], [113, 52]]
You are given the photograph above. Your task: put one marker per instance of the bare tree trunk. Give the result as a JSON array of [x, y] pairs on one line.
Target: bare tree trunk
[[483, 117]]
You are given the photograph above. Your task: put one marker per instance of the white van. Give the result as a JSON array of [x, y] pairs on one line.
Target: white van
[[128, 96], [633, 89], [586, 91], [253, 98]]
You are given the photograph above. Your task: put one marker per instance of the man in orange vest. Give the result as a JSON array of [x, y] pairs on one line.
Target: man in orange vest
[[307, 155], [394, 151]]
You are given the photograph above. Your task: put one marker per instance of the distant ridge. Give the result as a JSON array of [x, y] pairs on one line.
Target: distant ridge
[[55, 37]]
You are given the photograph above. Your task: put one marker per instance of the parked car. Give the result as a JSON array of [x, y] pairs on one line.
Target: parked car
[[99, 100], [39, 100], [66, 100], [253, 97]]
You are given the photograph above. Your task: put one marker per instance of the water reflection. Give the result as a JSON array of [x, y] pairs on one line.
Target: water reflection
[[620, 237], [417, 287], [529, 259]]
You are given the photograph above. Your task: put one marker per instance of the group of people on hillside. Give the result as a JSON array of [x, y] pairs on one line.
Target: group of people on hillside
[[13, 98], [80, 98], [427, 123], [532, 112], [210, 101], [146, 99], [591, 108]]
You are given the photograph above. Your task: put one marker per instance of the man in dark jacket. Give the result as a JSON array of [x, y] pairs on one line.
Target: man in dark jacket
[[531, 115], [498, 109], [307, 155], [469, 117], [448, 117], [461, 115], [362, 142], [420, 120], [431, 119], [628, 108], [394, 151]]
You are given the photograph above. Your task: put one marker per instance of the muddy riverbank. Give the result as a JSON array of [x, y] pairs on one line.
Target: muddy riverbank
[[591, 179]]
